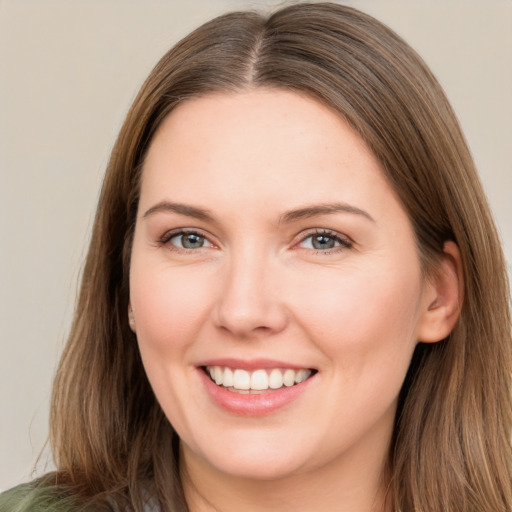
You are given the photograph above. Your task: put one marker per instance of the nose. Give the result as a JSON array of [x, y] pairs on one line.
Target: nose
[[251, 298]]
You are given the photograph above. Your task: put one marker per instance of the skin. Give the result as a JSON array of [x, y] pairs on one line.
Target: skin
[[259, 288]]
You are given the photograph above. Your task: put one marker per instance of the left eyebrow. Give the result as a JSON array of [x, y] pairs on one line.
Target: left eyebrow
[[323, 209], [181, 209]]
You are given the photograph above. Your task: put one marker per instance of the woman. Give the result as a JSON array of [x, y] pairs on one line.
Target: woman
[[294, 296]]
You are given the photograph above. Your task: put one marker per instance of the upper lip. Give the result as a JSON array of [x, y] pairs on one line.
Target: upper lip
[[252, 364]]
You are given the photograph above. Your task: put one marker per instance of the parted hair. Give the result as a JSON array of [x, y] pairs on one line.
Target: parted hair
[[450, 449]]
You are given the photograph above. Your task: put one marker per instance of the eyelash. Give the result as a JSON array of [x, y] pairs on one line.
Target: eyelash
[[168, 236], [343, 241]]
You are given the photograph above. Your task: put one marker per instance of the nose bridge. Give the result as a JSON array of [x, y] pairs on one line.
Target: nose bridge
[[249, 299]]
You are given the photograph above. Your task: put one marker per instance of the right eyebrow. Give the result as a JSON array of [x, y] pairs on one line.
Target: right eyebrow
[[323, 209], [181, 209]]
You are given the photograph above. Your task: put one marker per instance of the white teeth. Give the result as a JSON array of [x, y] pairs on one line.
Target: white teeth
[[289, 378], [301, 376], [217, 375], [258, 380], [228, 378], [275, 380], [241, 379]]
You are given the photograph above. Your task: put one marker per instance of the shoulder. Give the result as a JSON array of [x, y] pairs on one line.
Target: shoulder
[[42, 496], [32, 497]]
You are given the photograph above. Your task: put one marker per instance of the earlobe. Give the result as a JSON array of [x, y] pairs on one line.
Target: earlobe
[[443, 297], [131, 318]]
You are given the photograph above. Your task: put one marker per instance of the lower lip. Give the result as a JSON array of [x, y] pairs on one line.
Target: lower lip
[[258, 404]]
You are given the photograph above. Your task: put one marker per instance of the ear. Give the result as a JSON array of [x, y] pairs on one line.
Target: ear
[[131, 318], [443, 296]]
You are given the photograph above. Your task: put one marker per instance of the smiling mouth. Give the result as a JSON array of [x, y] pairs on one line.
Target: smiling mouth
[[257, 381]]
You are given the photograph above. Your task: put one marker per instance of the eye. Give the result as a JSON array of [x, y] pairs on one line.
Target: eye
[[188, 240], [324, 241]]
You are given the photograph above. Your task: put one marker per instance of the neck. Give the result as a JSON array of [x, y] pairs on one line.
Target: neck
[[343, 488]]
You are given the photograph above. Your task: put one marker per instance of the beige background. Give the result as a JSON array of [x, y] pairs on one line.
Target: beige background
[[68, 72]]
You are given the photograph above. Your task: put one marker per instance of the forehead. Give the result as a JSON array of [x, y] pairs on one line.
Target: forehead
[[267, 145]]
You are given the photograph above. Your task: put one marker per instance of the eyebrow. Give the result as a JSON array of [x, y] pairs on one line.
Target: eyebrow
[[182, 209], [323, 209], [290, 216]]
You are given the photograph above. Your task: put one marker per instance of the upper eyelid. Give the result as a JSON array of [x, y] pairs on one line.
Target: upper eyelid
[[323, 231], [177, 231], [168, 235]]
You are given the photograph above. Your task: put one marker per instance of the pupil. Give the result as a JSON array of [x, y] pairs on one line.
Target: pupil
[[192, 241], [323, 242]]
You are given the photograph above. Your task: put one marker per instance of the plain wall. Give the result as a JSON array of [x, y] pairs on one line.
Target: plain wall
[[68, 72]]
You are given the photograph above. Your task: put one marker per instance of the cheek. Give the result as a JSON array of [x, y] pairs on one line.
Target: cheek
[[364, 317], [169, 304]]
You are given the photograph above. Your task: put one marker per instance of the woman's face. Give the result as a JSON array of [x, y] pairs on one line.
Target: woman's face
[[271, 252]]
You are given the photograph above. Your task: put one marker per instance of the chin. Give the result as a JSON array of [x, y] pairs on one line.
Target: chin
[[252, 460], [262, 470]]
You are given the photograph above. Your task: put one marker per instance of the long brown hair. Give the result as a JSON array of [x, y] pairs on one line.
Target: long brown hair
[[450, 449]]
